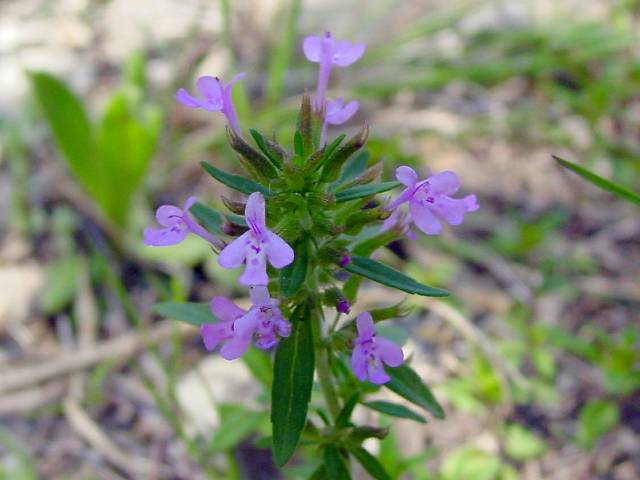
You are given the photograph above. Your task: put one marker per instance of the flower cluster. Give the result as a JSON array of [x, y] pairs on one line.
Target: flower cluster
[[304, 219]]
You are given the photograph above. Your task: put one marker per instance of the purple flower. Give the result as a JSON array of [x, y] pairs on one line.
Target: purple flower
[[327, 52], [256, 246], [402, 221], [178, 224], [343, 306], [336, 114], [216, 98], [238, 327], [429, 200], [370, 351]]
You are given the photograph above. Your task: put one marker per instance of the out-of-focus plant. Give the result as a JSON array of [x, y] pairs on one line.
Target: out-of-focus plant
[[304, 237], [108, 158]]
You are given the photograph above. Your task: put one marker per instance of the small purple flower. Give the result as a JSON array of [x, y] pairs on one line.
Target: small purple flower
[[344, 260], [178, 224], [216, 98], [256, 246], [327, 52], [337, 112], [343, 306], [238, 327], [370, 351], [429, 200]]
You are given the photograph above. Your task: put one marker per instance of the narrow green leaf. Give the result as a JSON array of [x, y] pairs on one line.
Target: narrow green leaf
[[259, 364], [328, 151], [395, 410], [298, 144], [596, 418], [407, 383], [601, 182], [291, 391], [194, 313], [237, 182], [333, 165], [71, 128], [361, 191], [381, 273], [208, 218], [334, 464], [344, 418], [370, 463], [293, 275], [262, 144], [354, 167]]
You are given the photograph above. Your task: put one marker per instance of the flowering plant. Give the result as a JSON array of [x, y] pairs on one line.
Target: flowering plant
[[305, 238]]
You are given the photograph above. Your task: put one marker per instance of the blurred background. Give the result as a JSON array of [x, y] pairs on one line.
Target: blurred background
[[536, 356]]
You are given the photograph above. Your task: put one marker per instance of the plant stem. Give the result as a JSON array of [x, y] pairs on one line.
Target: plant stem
[[322, 368]]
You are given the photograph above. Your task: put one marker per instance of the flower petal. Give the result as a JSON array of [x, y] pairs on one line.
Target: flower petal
[[377, 374], [344, 114], [451, 210], [214, 333], [169, 215], [237, 78], [254, 213], [184, 98], [472, 203], [344, 53], [366, 328], [259, 295], [279, 253], [211, 90], [443, 183], [163, 237], [311, 47], [234, 254], [225, 309], [424, 219], [390, 353], [405, 196], [255, 272], [359, 363], [406, 175], [243, 332]]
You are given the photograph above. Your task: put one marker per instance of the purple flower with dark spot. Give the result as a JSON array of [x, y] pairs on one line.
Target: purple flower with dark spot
[[178, 224], [344, 260], [429, 200], [238, 327], [337, 113], [216, 98], [256, 246], [343, 306], [327, 52], [370, 351]]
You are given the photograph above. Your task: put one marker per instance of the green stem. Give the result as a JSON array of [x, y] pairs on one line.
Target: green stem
[[322, 368]]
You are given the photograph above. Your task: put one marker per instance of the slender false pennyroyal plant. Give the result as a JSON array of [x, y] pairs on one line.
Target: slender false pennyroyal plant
[[304, 238]]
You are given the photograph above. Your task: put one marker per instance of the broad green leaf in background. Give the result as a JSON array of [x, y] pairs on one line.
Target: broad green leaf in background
[[407, 383], [369, 463], [291, 391], [596, 418], [194, 313], [259, 364], [361, 191], [395, 410], [334, 464], [381, 273], [236, 423], [470, 464], [71, 128], [236, 182], [601, 182], [520, 444]]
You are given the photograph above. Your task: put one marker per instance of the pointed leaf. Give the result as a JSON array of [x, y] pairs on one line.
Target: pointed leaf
[[194, 313], [334, 464], [407, 383], [261, 142], [601, 182], [395, 410], [208, 218], [293, 275], [370, 463], [236, 182], [361, 191], [381, 273], [291, 391]]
